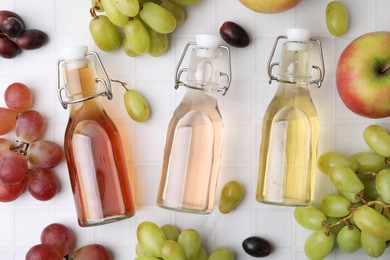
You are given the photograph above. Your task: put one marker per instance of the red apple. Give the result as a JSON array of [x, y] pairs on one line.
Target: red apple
[[270, 6], [363, 75]]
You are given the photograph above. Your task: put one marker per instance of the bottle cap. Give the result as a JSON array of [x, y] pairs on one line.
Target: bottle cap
[[298, 34], [75, 52], [207, 41]]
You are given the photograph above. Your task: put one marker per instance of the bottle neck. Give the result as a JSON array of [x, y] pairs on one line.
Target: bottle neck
[[80, 83], [295, 65], [204, 69]]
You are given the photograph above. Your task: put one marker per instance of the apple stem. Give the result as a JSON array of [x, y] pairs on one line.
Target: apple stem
[[385, 69]]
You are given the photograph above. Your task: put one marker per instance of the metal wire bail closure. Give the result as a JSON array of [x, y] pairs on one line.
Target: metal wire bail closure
[[106, 82], [179, 70], [320, 70]]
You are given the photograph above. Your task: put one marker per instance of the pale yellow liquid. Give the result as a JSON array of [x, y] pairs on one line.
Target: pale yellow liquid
[[289, 148], [192, 156]]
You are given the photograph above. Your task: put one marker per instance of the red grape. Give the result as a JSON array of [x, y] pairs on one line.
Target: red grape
[[8, 48], [12, 26], [43, 252], [234, 34], [13, 167], [7, 120], [4, 14], [10, 192], [29, 126], [18, 97], [32, 39], [42, 184], [92, 251], [5, 146], [59, 237], [44, 154]]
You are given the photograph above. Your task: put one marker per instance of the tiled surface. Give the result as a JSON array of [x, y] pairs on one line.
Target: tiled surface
[[242, 108]]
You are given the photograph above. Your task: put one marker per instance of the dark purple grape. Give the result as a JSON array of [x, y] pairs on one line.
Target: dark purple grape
[[8, 48], [4, 14], [234, 34], [257, 246], [32, 39], [13, 27]]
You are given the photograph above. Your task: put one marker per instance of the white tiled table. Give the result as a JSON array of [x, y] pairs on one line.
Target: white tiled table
[[66, 22]]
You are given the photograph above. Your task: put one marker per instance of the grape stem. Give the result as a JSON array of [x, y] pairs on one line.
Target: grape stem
[[21, 148], [120, 82], [346, 219], [373, 174], [387, 160], [93, 9]]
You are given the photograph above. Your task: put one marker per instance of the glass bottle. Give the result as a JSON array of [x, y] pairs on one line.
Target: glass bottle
[[195, 132], [288, 151], [93, 148]]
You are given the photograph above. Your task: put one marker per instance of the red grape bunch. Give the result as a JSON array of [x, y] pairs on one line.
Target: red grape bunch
[[59, 242], [14, 37], [26, 163]]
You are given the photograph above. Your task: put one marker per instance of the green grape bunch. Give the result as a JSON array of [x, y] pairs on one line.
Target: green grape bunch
[[358, 215], [137, 26], [167, 242]]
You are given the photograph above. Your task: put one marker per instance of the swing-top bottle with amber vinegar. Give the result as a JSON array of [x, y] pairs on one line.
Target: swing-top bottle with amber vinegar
[[92, 143]]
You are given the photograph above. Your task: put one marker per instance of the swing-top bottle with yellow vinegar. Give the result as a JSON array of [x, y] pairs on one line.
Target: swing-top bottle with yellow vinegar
[[290, 127]]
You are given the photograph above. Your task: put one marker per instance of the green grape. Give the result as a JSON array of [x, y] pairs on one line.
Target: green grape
[[348, 239], [115, 16], [370, 192], [336, 18], [171, 250], [151, 237], [345, 179], [104, 33], [318, 245], [371, 245], [382, 184], [371, 221], [334, 205], [380, 208], [202, 255], [129, 8], [378, 139], [146, 258], [141, 251], [177, 10], [137, 35], [330, 159], [127, 48], [158, 43], [190, 241], [170, 231], [231, 195], [336, 229], [97, 4], [158, 18], [136, 105], [186, 2], [369, 162], [221, 253], [309, 217], [351, 196]]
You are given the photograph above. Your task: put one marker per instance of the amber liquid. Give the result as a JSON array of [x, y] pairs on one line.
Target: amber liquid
[[288, 150], [192, 155], [94, 154]]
